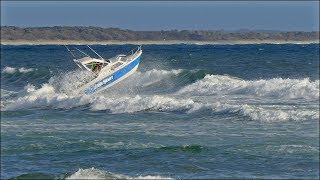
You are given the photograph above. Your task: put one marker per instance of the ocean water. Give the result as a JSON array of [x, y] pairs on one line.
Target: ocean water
[[190, 111]]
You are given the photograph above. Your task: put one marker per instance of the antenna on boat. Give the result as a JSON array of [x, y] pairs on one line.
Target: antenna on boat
[[95, 52], [83, 52]]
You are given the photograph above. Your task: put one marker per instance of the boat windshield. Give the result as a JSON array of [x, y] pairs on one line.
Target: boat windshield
[[118, 58]]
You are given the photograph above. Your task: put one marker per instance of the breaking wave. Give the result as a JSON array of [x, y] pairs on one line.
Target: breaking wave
[[276, 87], [90, 173], [162, 90], [93, 173], [268, 114]]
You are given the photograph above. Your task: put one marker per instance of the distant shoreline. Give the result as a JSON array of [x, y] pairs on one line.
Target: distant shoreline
[[96, 35], [73, 42]]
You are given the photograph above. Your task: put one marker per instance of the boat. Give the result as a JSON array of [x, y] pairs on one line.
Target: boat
[[107, 72]]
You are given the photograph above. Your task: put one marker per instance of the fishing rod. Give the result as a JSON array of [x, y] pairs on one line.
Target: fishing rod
[[70, 51], [95, 52]]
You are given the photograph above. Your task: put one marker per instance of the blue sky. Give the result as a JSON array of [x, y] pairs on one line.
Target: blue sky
[[165, 15]]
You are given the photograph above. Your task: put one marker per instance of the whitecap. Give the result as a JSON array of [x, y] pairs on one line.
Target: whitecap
[[12, 70], [9, 70], [145, 103], [264, 114], [293, 148], [249, 98], [25, 70], [276, 87], [92, 173]]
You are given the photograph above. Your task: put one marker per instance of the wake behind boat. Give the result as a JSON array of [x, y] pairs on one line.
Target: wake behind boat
[[107, 72]]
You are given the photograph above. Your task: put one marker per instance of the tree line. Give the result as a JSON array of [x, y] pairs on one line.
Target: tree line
[[116, 34]]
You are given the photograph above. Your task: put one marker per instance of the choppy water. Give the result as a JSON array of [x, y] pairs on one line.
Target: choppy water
[[191, 111]]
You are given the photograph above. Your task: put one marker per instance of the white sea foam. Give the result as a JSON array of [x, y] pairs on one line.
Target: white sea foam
[[12, 70], [215, 92], [264, 114], [93, 173], [56, 94], [276, 87], [126, 145], [46, 96], [33, 97], [292, 148], [140, 103], [9, 70], [25, 70], [276, 115], [6, 97], [61, 92], [69, 83], [6, 93]]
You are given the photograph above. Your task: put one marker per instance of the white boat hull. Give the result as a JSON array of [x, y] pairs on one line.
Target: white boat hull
[[107, 80]]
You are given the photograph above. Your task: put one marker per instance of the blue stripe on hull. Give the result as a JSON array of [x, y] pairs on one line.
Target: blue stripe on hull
[[113, 77]]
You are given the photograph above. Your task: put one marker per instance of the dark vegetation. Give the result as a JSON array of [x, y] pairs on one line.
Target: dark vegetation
[[116, 34]]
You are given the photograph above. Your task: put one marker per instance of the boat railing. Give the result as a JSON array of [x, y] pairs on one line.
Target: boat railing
[[135, 50], [128, 56]]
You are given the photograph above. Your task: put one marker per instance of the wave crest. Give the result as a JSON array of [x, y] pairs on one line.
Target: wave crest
[[260, 100], [276, 87], [93, 173], [146, 103]]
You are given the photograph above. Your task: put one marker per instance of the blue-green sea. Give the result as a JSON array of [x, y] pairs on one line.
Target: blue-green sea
[[189, 112]]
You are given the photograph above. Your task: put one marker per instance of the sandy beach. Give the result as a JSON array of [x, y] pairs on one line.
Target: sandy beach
[[61, 42]]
